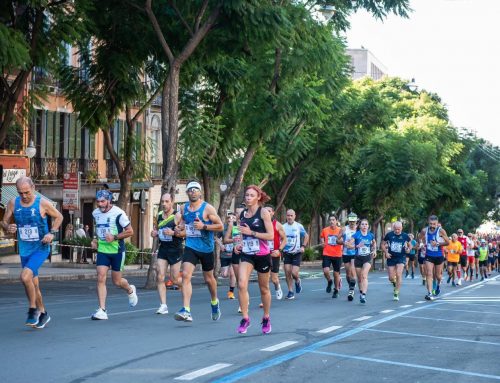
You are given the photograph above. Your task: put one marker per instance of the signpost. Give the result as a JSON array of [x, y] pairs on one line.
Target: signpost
[[71, 192]]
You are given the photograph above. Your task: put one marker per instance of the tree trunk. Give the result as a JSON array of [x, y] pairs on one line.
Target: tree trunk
[[206, 185], [170, 129], [290, 179], [151, 277], [227, 197]]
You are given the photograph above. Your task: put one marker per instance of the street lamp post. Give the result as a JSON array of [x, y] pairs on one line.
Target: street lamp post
[[30, 152]]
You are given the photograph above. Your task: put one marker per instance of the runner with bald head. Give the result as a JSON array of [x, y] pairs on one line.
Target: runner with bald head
[[29, 213], [169, 248], [396, 245], [296, 240]]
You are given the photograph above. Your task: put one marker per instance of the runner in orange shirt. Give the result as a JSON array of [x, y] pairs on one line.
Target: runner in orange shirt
[[453, 251], [331, 239]]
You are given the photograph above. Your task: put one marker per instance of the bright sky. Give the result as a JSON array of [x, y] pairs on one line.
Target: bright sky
[[450, 47]]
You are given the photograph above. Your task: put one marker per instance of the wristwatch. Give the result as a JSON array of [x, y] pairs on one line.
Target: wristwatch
[[115, 237], [254, 234], [204, 227]]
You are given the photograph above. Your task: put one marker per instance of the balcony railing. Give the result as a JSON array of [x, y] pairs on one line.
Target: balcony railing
[[111, 170], [53, 169]]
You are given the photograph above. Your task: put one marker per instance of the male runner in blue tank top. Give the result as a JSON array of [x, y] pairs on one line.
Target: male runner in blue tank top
[[434, 238], [200, 221], [30, 216]]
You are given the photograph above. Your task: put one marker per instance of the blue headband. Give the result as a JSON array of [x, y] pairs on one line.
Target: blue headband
[[106, 194]]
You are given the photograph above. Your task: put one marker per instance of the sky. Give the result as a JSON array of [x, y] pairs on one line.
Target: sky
[[450, 47]]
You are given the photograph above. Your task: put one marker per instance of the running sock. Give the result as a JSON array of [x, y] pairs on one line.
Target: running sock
[[231, 289], [352, 284], [188, 309], [434, 284], [214, 302]]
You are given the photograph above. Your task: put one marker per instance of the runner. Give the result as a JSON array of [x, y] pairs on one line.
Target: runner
[[233, 236], [476, 254], [463, 256], [276, 247], [471, 260], [410, 258], [365, 244], [169, 249], [199, 220], [296, 240], [453, 251], [433, 237], [30, 213], [348, 254], [257, 229], [483, 258], [226, 254], [396, 245], [112, 227], [331, 239]]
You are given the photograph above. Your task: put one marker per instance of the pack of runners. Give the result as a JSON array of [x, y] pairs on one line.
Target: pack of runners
[[250, 240]]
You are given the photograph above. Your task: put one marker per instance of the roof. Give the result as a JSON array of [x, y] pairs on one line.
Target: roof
[[9, 192]]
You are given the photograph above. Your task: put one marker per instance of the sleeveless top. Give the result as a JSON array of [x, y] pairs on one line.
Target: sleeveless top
[[252, 245], [168, 241], [31, 227], [198, 240], [275, 243], [432, 251], [348, 233]]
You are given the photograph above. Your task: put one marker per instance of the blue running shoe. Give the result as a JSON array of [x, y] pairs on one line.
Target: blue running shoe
[[290, 295], [183, 315], [298, 286], [437, 291], [33, 317], [216, 311]]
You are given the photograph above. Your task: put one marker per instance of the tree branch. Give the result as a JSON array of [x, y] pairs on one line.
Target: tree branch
[[159, 34], [199, 16], [172, 4]]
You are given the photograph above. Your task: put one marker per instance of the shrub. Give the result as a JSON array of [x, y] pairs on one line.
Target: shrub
[[310, 254], [131, 255]]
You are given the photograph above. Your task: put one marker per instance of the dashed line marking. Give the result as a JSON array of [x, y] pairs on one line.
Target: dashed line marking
[[203, 371], [386, 311], [328, 329], [279, 346], [405, 306], [362, 318]]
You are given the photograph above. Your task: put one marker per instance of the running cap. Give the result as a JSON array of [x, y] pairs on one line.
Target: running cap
[[104, 194], [193, 184], [483, 240], [352, 217]]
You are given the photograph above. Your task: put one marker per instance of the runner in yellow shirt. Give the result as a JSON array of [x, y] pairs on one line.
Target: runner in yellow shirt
[[453, 251]]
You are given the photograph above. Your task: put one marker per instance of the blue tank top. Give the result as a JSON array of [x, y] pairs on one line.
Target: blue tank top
[[31, 227], [432, 251], [199, 240], [366, 240]]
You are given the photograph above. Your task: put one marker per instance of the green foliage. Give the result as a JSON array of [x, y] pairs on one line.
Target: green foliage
[[131, 254], [311, 254]]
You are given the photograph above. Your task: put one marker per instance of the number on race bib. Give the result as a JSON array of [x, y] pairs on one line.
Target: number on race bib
[[432, 248], [365, 250], [29, 233], [332, 240], [251, 245], [163, 237], [102, 230], [191, 231], [271, 245], [396, 247], [229, 247]]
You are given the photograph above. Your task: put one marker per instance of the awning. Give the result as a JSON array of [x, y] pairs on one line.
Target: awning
[[10, 191], [142, 185]]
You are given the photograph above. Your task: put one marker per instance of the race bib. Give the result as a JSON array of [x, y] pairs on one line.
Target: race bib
[[191, 231], [163, 237], [332, 240], [102, 230], [251, 245], [29, 233], [432, 248], [396, 247], [291, 241], [229, 247], [365, 250], [271, 245]]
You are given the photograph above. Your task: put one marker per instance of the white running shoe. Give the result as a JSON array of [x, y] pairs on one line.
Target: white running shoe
[[279, 294], [132, 297], [163, 309], [459, 282], [100, 314]]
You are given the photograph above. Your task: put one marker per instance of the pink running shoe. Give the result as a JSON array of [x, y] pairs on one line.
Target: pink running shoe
[[266, 325], [244, 325]]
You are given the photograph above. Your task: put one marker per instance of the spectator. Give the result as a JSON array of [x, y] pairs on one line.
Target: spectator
[[80, 233]]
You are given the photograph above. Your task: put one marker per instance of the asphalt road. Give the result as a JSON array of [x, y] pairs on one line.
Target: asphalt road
[[315, 338]]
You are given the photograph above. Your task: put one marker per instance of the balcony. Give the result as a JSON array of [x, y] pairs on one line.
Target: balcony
[[52, 169], [111, 170]]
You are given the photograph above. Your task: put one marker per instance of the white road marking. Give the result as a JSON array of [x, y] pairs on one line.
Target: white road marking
[[118, 313], [279, 346], [329, 329], [203, 371], [405, 306], [386, 311], [467, 311], [420, 302], [453, 320], [362, 318]]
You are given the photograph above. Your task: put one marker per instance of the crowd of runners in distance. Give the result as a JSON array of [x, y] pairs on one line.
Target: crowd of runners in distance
[[250, 239]]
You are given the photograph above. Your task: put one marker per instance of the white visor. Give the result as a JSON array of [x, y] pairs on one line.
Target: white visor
[[193, 184]]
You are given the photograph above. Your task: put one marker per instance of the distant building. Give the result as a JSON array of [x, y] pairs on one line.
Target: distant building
[[364, 63]]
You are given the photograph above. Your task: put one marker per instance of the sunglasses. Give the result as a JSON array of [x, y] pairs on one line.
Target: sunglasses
[[192, 190]]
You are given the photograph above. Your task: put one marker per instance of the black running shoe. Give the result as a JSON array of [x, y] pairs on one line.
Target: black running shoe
[[329, 287], [43, 320]]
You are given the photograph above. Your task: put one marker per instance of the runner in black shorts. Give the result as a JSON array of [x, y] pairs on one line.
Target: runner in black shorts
[[169, 249], [226, 252]]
